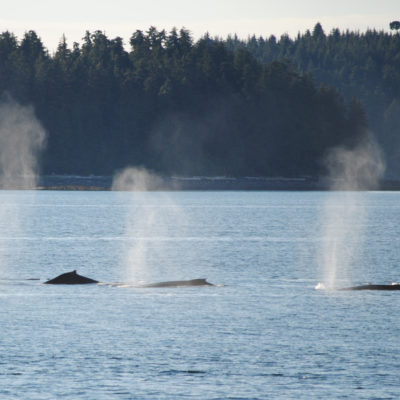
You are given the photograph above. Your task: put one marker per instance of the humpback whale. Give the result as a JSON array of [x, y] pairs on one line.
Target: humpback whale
[[393, 286], [73, 278], [70, 278], [192, 282]]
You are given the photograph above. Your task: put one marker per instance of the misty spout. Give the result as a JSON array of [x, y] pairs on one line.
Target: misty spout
[[22, 138], [151, 224], [358, 168], [351, 171]]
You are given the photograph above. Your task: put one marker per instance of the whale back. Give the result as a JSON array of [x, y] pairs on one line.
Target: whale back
[[191, 282], [73, 278], [395, 286], [70, 278]]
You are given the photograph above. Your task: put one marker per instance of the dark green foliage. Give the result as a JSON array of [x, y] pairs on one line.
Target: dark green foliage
[[177, 106], [395, 25], [364, 66]]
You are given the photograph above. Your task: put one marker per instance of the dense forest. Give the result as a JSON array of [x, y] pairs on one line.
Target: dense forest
[[205, 107], [365, 66]]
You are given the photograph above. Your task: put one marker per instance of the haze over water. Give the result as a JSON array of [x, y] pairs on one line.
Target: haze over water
[[265, 334]]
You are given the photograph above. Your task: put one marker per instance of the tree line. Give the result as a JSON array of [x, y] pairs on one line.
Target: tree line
[[365, 66], [179, 106]]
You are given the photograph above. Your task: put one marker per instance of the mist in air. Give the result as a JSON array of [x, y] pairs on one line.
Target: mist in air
[[351, 171], [22, 138], [152, 227]]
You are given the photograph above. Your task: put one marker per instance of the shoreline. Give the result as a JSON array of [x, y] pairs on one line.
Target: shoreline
[[182, 183], [104, 183]]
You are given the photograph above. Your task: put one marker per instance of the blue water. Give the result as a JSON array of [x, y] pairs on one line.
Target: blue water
[[263, 333]]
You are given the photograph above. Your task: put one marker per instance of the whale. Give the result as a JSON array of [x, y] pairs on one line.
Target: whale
[[70, 278], [73, 278], [393, 286], [191, 282]]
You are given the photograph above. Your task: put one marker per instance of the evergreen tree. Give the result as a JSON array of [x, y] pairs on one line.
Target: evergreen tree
[[210, 107]]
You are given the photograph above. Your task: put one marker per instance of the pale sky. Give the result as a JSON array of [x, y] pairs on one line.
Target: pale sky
[[51, 18]]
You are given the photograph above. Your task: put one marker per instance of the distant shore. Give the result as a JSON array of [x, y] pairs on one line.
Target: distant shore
[[99, 183]]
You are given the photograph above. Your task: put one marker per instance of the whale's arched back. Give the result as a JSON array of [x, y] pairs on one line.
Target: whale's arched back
[[394, 286], [70, 278], [191, 282]]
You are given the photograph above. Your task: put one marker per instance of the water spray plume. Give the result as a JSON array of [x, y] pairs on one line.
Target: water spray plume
[[22, 138], [359, 168], [134, 179], [149, 225], [351, 171]]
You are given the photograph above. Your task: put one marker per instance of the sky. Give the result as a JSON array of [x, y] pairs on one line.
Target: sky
[[52, 18]]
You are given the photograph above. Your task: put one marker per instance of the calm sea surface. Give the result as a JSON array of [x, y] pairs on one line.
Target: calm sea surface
[[263, 332]]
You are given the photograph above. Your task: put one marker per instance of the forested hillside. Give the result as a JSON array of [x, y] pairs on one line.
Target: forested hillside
[[365, 66], [177, 106]]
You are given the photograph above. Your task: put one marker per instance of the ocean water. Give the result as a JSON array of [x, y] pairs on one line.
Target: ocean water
[[262, 332]]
